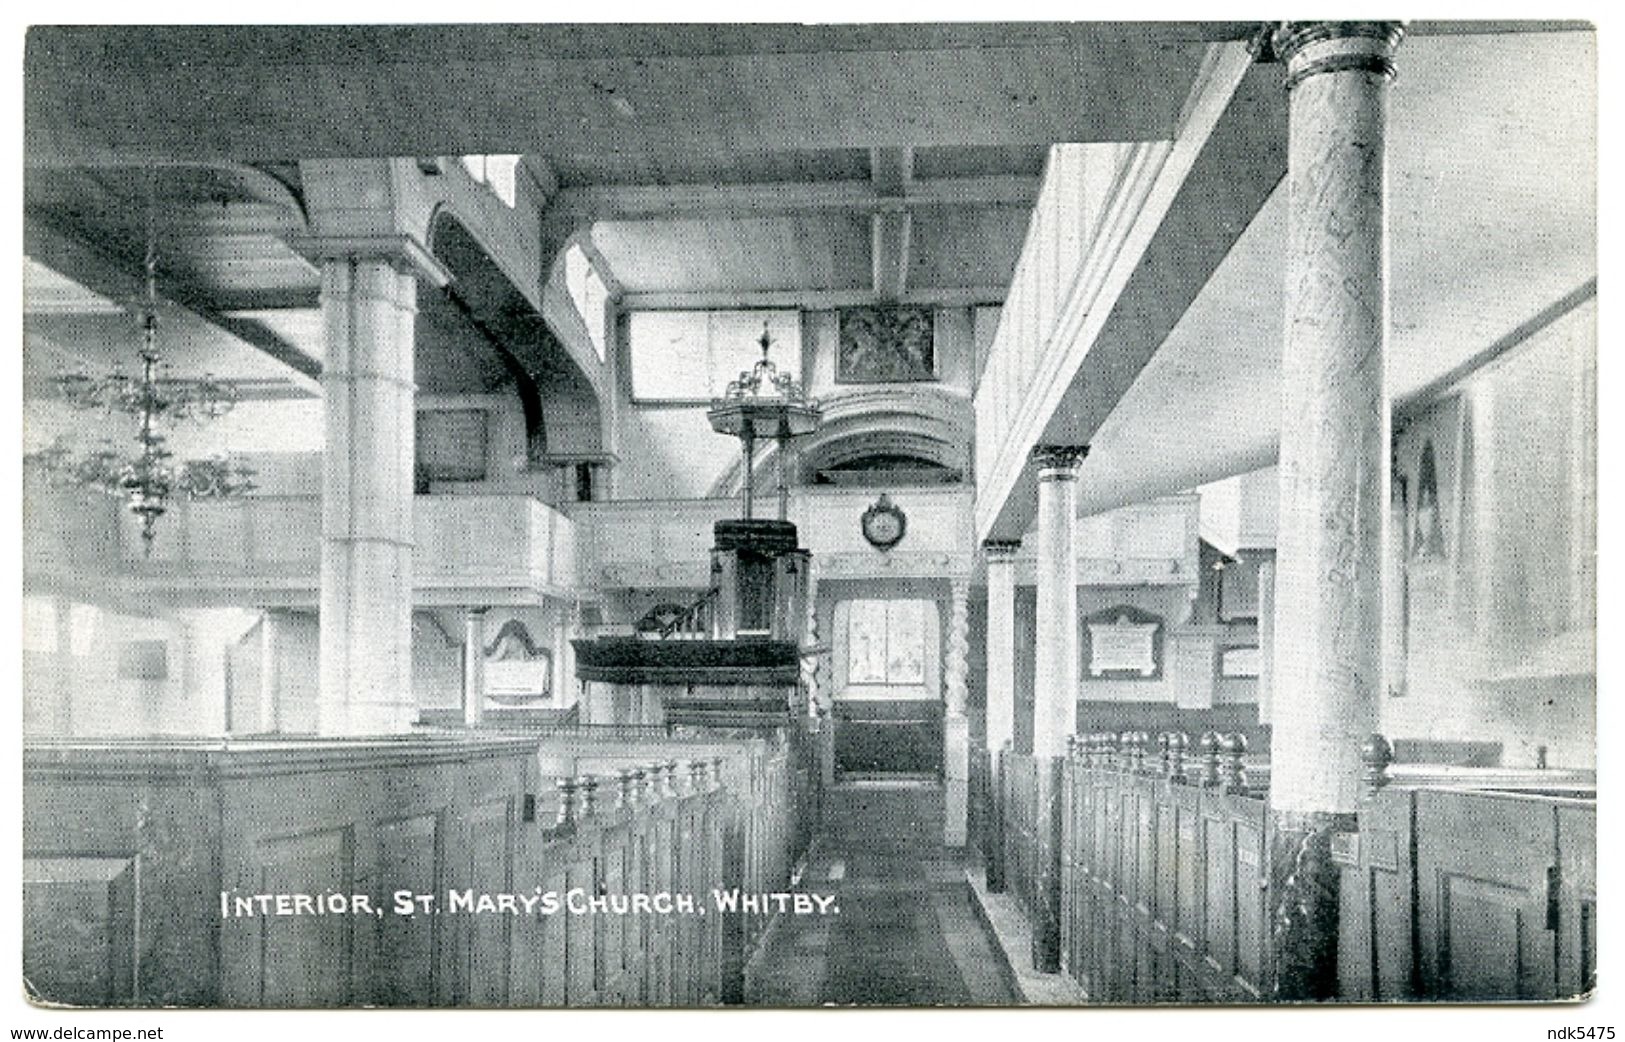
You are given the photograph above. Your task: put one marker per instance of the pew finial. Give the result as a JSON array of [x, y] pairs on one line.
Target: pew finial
[[569, 801], [1125, 752], [1208, 746], [1232, 771], [1376, 754], [1145, 761], [1178, 742]]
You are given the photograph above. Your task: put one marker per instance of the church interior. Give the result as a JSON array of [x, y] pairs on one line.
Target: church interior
[[938, 514]]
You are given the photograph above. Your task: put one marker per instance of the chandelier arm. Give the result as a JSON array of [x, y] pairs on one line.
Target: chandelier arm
[[146, 481]]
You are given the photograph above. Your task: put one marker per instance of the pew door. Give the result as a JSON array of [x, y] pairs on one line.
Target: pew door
[[1485, 863]]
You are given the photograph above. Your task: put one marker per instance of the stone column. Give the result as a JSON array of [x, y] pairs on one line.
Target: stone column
[[369, 302], [271, 623], [1334, 473], [1001, 642], [1055, 674], [1055, 681], [473, 666], [955, 725]]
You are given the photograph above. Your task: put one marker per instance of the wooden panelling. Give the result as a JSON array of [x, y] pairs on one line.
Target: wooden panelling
[[463, 542], [79, 929], [491, 871], [1445, 893], [1376, 898], [1161, 885], [1576, 899], [408, 848], [1462, 895], [1482, 896], [308, 959], [208, 835]]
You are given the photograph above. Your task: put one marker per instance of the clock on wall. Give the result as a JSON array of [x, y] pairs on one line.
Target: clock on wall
[[884, 524]]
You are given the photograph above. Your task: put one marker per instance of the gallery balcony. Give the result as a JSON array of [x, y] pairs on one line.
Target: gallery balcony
[[266, 550]]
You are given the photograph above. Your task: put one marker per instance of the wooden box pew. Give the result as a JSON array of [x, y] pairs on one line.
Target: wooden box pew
[[1144, 863], [1468, 884], [309, 874]]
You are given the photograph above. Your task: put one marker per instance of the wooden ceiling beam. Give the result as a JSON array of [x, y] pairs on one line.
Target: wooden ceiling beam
[[891, 170], [889, 235], [66, 253], [641, 202], [810, 299]]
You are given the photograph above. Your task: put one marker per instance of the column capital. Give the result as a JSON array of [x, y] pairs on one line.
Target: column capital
[[1311, 48], [403, 252], [1058, 462], [1000, 550]]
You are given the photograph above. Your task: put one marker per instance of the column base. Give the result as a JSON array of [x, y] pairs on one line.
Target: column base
[[1304, 904]]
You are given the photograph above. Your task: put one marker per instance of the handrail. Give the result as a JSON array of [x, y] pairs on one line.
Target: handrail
[[686, 622], [690, 620]]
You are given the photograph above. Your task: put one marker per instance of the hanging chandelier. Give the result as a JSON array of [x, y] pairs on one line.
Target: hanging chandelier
[[148, 479], [765, 403]]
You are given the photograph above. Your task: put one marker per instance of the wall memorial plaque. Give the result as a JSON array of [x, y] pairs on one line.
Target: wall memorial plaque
[[1124, 643]]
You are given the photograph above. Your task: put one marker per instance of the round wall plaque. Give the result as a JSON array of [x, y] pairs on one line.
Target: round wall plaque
[[884, 524]]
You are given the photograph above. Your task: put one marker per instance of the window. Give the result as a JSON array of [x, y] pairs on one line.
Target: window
[[690, 356], [39, 625], [589, 295], [496, 172], [885, 643]]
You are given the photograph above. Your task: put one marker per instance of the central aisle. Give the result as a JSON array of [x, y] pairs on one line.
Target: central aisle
[[907, 932]]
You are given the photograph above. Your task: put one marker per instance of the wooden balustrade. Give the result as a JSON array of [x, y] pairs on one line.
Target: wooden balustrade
[[1162, 884], [136, 855], [1149, 867]]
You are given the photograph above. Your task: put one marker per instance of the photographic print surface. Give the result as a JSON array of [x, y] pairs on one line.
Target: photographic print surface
[[966, 514]]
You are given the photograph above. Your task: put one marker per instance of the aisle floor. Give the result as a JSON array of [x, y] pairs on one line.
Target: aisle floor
[[907, 933]]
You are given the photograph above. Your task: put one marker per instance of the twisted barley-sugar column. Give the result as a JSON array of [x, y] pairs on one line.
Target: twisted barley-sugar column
[[1333, 477], [1001, 642]]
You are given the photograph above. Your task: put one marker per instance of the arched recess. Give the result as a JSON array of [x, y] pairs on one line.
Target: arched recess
[[888, 428], [480, 335]]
